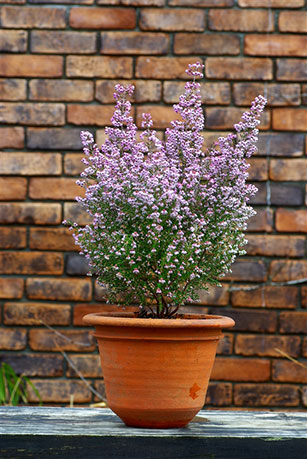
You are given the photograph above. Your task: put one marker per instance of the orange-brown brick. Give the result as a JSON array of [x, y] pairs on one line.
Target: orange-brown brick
[[258, 170], [30, 213], [255, 395], [267, 345], [211, 93], [13, 339], [162, 67], [11, 237], [68, 90], [271, 3], [239, 68], [13, 89], [293, 372], [73, 164], [233, 369], [268, 296], [289, 119], [288, 169], [171, 20], [64, 340], [13, 189], [88, 365], [75, 212], [217, 296], [30, 66], [99, 66], [36, 314], [12, 137], [293, 322], [30, 163], [262, 221], [285, 270], [28, 18], [11, 288], [59, 391], [251, 270], [275, 45], [145, 90], [276, 94], [208, 44], [96, 115], [219, 394], [59, 289], [13, 41], [102, 18], [134, 43], [225, 118], [31, 263], [162, 116], [33, 365], [52, 239], [32, 114], [292, 21], [201, 3], [241, 20], [278, 246], [54, 188], [53, 42], [291, 69]]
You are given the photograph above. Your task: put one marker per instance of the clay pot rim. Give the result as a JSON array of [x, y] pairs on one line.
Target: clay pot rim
[[127, 319]]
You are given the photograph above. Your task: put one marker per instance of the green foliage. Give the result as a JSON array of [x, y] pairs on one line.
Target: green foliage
[[13, 388]]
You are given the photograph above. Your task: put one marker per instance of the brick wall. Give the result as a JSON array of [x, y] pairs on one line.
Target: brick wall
[[59, 62]]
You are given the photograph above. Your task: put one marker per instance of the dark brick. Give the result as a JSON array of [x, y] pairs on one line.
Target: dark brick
[[266, 395], [59, 289], [287, 195], [32, 365], [281, 144], [36, 313], [208, 44], [64, 340], [76, 265], [54, 138], [247, 320], [248, 270], [219, 394]]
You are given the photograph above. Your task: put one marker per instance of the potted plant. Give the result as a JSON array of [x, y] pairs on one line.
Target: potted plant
[[168, 219]]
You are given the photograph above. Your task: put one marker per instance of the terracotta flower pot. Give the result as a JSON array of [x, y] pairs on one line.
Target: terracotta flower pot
[[156, 371]]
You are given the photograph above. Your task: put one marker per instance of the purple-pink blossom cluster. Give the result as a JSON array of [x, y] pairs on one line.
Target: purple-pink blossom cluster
[[168, 218]]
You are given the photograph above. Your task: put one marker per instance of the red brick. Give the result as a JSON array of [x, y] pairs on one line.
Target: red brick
[[241, 20], [59, 390], [250, 320], [52, 239], [285, 371], [88, 365], [288, 169], [59, 289], [13, 339], [304, 296], [293, 322], [54, 188], [80, 310], [162, 67], [219, 394], [216, 296], [64, 340], [201, 3], [30, 163], [29, 18], [250, 270], [162, 116], [145, 90], [281, 144], [12, 137], [95, 115], [239, 68], [35, 364], [276, 94], [13, 41], [12, 238], [73, 211], [266, 395], [286, 270], [99, 67], [275, 45], [291, 69], [36, 313], [134, 43], [13, 89], [31, 263], [289, 119], [68, 90], [211, 93], [98, 18], [278, 246], [292, 21], [32, 114], [172, 20], [304, 347], [234, 369], [262, 221], [73, 164], [11, 287], [269, 296], [13, 189], [25, 65], [271, 3], [265, 346], [208, 44], [30, 213], [54, 138], [67, 42], [225, 118]]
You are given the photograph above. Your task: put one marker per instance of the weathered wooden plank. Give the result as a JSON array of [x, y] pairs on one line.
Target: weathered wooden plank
[[98, 433]]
